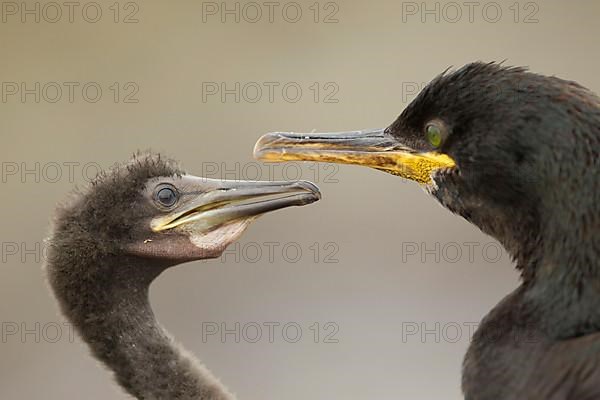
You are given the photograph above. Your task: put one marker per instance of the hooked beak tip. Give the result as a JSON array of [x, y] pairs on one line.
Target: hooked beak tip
[[264, 144], [312, 189]]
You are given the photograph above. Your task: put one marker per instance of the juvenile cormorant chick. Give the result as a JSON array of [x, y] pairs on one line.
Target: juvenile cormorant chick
[[112, 240]]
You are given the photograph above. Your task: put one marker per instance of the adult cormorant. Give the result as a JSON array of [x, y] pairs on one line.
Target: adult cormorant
[[111, 241], [516, 154]]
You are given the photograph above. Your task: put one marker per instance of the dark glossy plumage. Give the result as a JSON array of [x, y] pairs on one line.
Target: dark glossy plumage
[[527, 148]]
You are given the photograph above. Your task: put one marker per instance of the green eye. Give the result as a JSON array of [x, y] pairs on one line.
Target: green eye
[[434, 135]]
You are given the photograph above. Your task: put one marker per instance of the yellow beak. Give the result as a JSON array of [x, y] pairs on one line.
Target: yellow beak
[[375, 148]]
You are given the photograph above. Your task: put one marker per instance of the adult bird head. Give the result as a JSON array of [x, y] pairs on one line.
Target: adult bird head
[[500, 146], [149, 212]]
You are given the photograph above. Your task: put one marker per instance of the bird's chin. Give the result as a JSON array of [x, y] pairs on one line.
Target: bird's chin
[[439, 178], [214, 242]]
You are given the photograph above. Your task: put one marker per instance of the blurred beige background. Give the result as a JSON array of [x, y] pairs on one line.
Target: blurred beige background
[[401, 281]]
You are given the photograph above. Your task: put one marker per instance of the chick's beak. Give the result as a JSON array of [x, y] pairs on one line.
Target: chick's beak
[[210, 203]]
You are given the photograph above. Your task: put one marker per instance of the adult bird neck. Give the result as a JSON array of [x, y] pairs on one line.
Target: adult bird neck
[[562, 269], [564, 284], [118, 324]]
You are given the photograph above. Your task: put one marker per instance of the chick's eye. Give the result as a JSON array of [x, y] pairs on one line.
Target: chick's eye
[[434, 135], [166, 197]]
